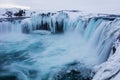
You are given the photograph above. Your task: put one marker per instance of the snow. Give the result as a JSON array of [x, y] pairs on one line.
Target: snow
[[13, 10], [109, 70]]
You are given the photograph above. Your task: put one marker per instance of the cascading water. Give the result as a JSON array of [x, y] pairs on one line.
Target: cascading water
[[6, 27], [73, 46]]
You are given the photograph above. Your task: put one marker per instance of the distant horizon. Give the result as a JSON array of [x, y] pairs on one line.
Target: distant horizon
[[92, 6]]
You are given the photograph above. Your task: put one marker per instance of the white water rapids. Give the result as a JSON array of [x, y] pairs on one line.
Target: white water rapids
[[34, 56]]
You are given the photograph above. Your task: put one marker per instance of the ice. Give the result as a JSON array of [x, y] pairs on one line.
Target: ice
[[110, 69]]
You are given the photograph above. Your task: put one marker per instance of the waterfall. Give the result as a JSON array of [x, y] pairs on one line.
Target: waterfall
[[52, 42], [95, 30], [10, 27]]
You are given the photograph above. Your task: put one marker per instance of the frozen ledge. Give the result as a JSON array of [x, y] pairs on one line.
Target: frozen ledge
[[12, 19]]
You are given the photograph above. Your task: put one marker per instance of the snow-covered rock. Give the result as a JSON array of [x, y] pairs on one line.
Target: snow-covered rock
[[109, 70], [14, 14]]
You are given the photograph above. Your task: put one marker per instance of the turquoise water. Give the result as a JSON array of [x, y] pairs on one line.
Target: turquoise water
[[33, 56]]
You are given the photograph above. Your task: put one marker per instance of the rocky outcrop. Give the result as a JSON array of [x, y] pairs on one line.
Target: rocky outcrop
[[13, 14], [74, 71]]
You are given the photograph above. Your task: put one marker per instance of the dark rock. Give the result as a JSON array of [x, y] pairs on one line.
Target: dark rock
[[9, 13], [20, 13], [114, 49], [10, 77], [59, 27], [75, 72]]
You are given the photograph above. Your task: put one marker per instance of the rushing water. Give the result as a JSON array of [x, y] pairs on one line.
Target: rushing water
[[46, 55], [42, 54]]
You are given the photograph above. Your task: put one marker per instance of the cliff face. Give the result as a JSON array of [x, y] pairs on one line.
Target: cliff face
[[109, 70]]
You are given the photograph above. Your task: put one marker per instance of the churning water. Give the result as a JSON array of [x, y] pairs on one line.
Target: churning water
[[55, 47]]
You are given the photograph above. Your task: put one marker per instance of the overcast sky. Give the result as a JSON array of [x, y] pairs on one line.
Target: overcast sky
[[97, 6]]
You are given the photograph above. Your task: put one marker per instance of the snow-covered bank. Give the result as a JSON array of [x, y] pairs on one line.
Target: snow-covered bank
[[109, 70], [13, 14]]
